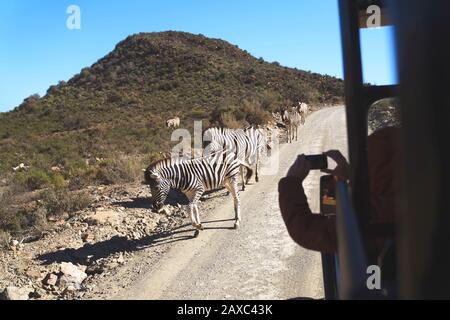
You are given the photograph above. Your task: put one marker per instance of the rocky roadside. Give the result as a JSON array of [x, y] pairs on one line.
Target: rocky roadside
[[68, 260]]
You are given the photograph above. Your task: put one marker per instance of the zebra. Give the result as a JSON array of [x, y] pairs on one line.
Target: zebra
[[292, 119], [248, 144], [304, 110], [194, 177]]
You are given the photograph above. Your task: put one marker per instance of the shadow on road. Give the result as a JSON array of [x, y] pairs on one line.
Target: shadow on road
[[103, 249]]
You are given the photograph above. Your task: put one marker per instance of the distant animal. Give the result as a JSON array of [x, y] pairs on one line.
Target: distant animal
[[303, 108], [175, 123], [292, 119], [248, 144], [193, 178]]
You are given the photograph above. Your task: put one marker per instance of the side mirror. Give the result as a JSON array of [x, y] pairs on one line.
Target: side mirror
[[327, 195]]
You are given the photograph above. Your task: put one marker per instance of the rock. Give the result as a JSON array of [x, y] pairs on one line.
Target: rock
[[94, 269], [50, 279], [165, 210], [34, 274], [14, 243], [84, 226], [65, 282], [111, 265], [120, 259], [136, 235], [101, 217], [87, 237], [70, 288], [37, 294], [71, 275], [15, 293]]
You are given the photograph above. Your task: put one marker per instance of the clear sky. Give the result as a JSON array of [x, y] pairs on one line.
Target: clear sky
[[37, 49]]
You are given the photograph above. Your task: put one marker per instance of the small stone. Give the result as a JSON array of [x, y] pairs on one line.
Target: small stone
[[15, 293], [65, 282], [37, 294], [72, 275], [87, 237], [165, 210], [94, 269], [120, 259], [14, 243], [101, 217], [70, 288], [51, 279], [34, 274]]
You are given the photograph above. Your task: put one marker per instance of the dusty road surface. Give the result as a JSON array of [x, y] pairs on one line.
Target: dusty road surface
[[258, 261]]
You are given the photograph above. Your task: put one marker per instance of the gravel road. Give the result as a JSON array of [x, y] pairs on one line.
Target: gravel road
[[258, 261]]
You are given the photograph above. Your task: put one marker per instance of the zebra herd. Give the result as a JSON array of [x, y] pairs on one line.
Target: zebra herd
[[226, 152], [293, 119]]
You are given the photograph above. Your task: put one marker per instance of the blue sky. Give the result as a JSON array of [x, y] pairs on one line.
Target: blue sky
[[37, 50]]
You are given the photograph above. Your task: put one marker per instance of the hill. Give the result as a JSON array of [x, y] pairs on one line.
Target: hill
[[116, 109]]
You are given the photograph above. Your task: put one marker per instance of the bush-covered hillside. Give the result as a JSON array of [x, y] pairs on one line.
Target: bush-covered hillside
[[119, 105]]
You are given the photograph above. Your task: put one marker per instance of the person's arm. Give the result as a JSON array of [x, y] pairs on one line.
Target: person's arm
[[311, 231]]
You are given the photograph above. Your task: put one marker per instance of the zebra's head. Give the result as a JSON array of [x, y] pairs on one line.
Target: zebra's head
[[159, 187]]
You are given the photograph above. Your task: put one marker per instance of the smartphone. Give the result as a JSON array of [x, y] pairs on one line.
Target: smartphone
[[318, 162]]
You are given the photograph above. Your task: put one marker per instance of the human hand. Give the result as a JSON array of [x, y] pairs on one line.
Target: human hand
[[300, 168], [342, 168]]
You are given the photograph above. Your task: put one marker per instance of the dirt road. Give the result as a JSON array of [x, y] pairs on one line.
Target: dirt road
[[258, 261]]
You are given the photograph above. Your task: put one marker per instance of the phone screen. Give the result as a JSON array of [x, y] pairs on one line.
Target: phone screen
[[318, 162]]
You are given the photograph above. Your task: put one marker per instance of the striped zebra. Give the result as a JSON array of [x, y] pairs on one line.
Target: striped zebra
[[248, 144], [194, 177], [292, 119]]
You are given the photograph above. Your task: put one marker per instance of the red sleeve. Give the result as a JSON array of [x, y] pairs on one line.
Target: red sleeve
[[311, 231]]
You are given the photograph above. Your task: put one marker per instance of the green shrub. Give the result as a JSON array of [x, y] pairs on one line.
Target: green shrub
[[255, 114], [121, 169], [228, 120], [57, 180], [35, 179], [32, 179], [60, 201]]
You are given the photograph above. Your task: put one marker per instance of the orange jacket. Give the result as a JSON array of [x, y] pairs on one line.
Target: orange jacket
[[318, 233]]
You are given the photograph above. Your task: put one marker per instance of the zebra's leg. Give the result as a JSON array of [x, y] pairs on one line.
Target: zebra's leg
[[241, 170], [197, 217], [191, 213], [232, 186], [257, 163], [196, 199]]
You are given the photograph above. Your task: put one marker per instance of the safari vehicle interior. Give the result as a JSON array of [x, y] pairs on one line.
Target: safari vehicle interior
[[417, 255]]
